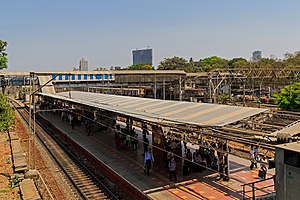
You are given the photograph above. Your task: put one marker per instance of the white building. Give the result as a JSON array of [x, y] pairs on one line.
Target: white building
[[83, 65]]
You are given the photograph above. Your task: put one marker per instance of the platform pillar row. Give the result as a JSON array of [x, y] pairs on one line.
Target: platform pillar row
[[158, 143]]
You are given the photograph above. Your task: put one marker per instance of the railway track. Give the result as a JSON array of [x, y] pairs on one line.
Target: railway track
[[84, 183]]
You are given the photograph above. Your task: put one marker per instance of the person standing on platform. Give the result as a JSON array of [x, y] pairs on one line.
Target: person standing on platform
[[256, 155], [63, 115], [172, 169], [148, 158], [263, 168], [252, 158], [71, 120], [188, 161], [146, 144]]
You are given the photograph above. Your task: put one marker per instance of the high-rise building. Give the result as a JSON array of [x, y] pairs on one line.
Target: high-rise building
[[142, 56], [256, 56], [83, 65]]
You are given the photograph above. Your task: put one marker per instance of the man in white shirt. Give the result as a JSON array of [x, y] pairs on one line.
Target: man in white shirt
[[148, 158]]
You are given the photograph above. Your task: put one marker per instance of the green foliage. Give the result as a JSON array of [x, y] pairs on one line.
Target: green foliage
[[174, 63], [223, 98], [206, 64], [140, 66], [289, 97], [23, 93], [3, 54], [292, 59], [15, 181], [214, 62], [7, 118], [237, 62]]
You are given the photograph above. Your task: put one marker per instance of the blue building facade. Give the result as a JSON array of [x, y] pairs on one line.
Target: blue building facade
[[143, 56]]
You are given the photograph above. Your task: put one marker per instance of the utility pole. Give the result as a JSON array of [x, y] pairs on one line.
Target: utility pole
[[180, 91], [70, 85], [154, 87], [210, 88], [291, 88], [29, 125], [244, 101], [164, 89], [34, 134]]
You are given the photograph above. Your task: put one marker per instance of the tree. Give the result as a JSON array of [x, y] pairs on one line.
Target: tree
[[140, 66], [7, 118], [289, 97], [174, 63], [237, 62], [213, 62], [3, 54], [223, 98], [292, 59]]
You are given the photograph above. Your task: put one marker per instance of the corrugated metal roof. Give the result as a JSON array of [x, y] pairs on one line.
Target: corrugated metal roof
[[289, 131], [157, 72], [202, 114], [48, 88]]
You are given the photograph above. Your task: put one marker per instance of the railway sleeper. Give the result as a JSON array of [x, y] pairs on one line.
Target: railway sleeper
[[75, 170], [95, 193], [90, 187], [100, 197], [78, 174], [86, 192], [81, 179], [86, 184]]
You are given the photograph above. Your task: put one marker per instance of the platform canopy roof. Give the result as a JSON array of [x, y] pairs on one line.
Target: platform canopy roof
[[162, 111], [290, 130]]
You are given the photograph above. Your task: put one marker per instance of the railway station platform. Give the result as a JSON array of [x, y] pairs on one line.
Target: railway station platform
[[129, 164]]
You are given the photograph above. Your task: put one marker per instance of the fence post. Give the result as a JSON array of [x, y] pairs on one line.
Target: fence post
[[243, 192]]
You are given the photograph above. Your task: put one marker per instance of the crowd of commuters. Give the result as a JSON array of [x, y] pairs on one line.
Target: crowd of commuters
[[210, 154]]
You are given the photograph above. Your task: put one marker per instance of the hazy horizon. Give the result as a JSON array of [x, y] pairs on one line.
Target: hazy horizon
[[55, 35]]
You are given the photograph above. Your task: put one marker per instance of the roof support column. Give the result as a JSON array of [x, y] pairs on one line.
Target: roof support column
[[154, 87], [158, 143]]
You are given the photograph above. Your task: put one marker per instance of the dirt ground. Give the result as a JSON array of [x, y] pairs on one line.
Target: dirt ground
[[44, 165], [6, 191]]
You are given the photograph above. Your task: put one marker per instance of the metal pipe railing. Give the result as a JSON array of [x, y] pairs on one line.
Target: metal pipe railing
[[253, 188]]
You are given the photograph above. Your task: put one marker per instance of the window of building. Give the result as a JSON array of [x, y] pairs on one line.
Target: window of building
[[79, 76], [98, 76], [105, 76], [91, 76], [60, 77], [73, 77], [85, 76]]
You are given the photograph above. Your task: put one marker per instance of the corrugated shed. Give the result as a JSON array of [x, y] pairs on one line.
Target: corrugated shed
[[288, 131], [202, 114]]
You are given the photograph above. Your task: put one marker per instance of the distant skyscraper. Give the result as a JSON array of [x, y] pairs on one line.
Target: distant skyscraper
[[256, 56], [143, 56], [83, 65]]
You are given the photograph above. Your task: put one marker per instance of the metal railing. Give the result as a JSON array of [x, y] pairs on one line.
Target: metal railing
[[254, 189]]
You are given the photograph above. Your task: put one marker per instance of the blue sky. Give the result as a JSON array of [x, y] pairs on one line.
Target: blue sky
[[54, 35]]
